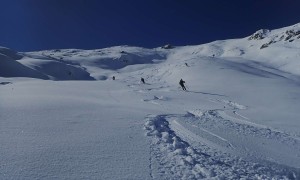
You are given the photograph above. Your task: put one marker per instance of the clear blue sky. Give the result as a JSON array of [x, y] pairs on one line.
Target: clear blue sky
[[89, 24]]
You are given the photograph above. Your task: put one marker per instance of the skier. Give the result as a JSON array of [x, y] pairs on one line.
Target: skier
[[143, 81], [113, 77], [181, 82]]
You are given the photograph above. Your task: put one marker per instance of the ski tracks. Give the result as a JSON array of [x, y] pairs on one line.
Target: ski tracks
[[184, 154], [176, 157]]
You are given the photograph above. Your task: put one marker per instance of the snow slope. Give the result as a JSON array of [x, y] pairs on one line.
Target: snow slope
[[277, 49], [239, 118]]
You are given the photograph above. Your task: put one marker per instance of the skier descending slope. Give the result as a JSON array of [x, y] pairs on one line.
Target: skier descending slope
[[181, 82], [142, 80]]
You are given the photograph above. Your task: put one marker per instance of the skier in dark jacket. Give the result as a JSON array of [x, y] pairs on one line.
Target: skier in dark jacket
[[181, 82], [143, 81]]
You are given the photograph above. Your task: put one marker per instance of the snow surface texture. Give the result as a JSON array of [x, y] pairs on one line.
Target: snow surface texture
[[239, 118]]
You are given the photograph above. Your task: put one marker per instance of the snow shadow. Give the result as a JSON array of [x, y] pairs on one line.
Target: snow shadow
[[206, 93], [5, 83]]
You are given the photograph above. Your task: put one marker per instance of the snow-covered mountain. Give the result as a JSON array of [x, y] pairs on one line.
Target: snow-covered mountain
[[239, 118], [277, 49]]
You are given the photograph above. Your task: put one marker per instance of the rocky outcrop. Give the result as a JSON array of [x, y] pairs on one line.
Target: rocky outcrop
[[260, 34], [286, 36], [167, 46]]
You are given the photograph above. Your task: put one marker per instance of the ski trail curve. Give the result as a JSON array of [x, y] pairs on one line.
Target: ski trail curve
[[178, 159]]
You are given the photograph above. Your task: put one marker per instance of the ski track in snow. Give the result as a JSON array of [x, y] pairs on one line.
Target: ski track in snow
[[190, 147], [229, 103], [179, 160]]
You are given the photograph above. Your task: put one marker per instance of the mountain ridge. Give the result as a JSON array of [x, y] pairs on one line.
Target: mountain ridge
[[277, 49]]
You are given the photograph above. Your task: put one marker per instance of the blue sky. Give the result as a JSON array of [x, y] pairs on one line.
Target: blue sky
[[28, 25]]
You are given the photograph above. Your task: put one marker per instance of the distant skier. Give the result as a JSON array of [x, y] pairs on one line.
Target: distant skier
[[113, 77], [181, 82], [186, 64], [143, 80]]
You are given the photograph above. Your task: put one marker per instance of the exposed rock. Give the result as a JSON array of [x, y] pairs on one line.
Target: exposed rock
[[281, 38], [260, 34], [267, 44], [291, 34], [167, 46]]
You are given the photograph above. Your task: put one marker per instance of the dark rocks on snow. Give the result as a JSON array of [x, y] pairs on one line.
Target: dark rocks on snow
[[260, 34], [291, 33], [167, 46], [267, 44]]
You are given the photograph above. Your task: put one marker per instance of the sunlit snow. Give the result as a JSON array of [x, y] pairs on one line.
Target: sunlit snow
[[62, 116]]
